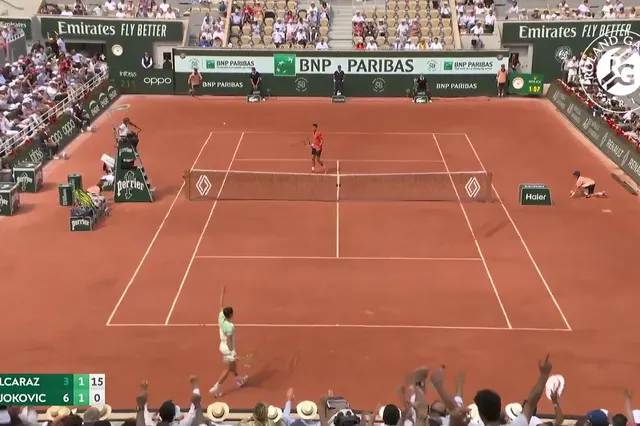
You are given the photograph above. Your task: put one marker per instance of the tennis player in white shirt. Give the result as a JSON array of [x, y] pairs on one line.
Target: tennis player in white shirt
[[585, 187], [227, 348]]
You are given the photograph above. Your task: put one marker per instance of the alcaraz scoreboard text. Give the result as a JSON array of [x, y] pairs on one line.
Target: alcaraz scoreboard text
[[52, 389]]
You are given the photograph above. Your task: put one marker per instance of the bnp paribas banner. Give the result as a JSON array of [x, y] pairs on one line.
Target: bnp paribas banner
[[554, 41], [126, 40], [368, 74]]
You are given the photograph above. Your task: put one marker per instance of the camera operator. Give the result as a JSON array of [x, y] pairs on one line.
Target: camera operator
[[81, 117], [338, 81], [421, 85]]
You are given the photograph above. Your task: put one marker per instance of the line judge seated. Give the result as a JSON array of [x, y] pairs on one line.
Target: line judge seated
[[338, 81]]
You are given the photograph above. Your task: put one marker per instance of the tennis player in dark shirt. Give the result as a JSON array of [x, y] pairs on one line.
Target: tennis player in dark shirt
[[338, 81], [421, 85]]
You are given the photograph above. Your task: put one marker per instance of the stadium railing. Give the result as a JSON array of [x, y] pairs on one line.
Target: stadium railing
[[11, 143]]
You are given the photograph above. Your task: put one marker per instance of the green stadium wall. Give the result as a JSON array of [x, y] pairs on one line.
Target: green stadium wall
[[554, 41]]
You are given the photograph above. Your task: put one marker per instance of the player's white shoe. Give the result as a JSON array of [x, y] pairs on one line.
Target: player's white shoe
[[215, 391], [241, 381]]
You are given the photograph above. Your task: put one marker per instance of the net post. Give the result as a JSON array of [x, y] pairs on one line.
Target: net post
[[187, 182]]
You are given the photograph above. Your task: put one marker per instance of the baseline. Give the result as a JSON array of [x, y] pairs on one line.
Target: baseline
[[521, 238], [354, 326], [345, 160], [269, 132], [155, 236], [446, 259]]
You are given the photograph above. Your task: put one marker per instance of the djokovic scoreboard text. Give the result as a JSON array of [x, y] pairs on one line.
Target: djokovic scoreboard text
[[52, 389]]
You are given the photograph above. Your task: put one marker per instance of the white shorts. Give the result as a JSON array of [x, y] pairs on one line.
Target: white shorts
[[227, 355]]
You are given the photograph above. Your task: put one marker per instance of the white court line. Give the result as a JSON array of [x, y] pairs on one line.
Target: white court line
[[338, 209], [473, 234], [204, 229], [356, 326], [155, 237], [446, 259], [524, 244], [327, 132], [347, 160]]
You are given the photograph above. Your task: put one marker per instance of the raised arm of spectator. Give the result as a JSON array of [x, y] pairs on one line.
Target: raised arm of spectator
[[557, 410], [530, 406], [628, 407], [195, 413], [141, 404], [460, 388], [437, 379], [286, 413], [323, 409], [421, 408]]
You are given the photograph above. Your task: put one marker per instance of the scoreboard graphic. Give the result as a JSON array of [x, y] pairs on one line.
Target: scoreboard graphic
[[77, 390]]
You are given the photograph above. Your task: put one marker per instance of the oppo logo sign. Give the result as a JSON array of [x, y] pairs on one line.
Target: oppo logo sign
[[155, 81]]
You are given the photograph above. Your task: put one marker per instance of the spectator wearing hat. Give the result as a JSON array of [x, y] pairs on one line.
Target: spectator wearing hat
[[218, 413], [306, 410], [56, 413]]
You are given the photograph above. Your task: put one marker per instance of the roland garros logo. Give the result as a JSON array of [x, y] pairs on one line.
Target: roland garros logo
[[613, 67]]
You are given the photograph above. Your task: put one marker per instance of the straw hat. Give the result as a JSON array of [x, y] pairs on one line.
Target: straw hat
[[218, 411], [57, 412], [105, 410], [307, 410], [554, 383], [513, 410], [274, 414]]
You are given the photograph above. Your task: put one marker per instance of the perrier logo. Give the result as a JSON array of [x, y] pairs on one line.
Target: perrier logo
[[284, 65], [129, 184], [24, 180]]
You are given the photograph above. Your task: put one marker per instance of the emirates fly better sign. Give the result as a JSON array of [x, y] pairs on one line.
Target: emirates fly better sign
[[290, 64]]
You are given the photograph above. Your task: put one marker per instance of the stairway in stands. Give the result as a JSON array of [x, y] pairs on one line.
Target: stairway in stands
[[340, 30]]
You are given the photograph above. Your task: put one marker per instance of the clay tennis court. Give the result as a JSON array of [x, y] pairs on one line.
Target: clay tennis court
[[346, 295]]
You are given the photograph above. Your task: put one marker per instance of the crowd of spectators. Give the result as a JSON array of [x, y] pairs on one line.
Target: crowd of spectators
[[278, 24], [580, 10], [619, 112], [476, 18], [142, 9], [34, 84], [404, 25], [412, 407]]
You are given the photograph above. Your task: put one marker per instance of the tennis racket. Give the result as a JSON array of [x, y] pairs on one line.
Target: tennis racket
[[306, 142]]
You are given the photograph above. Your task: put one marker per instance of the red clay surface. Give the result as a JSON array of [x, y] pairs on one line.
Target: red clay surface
[[353, 325]]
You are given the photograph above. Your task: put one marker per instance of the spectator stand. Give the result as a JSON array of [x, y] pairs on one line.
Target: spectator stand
[[14, 44], [209, 24], [10, 144], [120, 9], [477, 21], [253, 25], [409, 25]]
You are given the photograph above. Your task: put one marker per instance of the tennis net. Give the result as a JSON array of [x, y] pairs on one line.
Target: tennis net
[[277, 186]]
